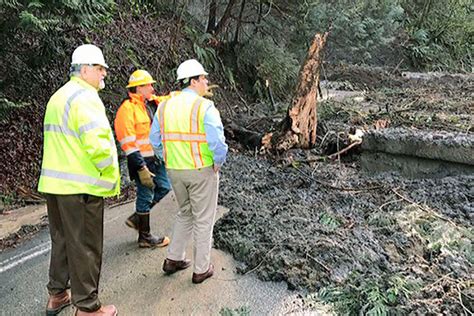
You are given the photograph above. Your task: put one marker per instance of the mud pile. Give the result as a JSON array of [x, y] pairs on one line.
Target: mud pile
[[368, 244], [435, 102], [328, 229]]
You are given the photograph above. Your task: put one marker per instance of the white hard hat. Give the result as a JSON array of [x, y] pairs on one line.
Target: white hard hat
[[88, 54], [190, 68]]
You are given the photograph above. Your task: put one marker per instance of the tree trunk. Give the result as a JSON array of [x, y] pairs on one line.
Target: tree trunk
[[299, 127], [211, 23], [239, 23], [225, 17]]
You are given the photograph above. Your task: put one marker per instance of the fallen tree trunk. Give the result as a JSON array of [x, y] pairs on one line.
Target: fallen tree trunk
[[298, 129]]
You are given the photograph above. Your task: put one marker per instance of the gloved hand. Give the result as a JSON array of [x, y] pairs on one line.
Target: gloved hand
[[209, 92], [146, 177]]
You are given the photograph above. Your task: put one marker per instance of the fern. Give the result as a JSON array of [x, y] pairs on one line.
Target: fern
[[43, 16], [329, 221], [376, 295]]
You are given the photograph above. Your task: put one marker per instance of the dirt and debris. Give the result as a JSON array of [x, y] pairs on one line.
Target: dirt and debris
[[286, 226], [377, 243], [24, 233], [436, 102]]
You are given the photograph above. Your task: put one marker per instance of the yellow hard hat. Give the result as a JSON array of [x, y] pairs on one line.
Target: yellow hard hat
[[140, 78]]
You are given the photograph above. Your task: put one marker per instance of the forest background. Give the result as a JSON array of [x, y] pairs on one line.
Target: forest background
[[243, 43]]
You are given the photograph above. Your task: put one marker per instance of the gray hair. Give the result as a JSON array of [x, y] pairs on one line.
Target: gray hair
[[75, 70]]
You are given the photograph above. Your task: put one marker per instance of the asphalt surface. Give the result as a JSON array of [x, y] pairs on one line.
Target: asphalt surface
[[132, 278]]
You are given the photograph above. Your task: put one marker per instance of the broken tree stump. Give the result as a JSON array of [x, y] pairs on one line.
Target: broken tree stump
[[298, 129]]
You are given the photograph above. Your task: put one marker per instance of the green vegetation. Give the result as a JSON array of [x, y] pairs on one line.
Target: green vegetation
[[378, 295], [54, 16], [240, 311], [7, 106], [329, 220]]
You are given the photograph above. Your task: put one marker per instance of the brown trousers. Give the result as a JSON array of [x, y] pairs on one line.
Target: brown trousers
[[76, 226]]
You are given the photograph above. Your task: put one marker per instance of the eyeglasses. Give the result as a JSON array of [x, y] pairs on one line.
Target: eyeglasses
[[97, 67]]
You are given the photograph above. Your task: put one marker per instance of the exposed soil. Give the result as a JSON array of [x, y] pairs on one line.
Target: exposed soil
[[433, 102], [24, 233], [366, 243]]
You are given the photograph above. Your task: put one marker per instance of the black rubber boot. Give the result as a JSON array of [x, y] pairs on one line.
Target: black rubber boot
[[145, 238], [132, 221]]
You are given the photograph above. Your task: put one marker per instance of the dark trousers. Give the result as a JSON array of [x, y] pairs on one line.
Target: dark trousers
[[76, 226]]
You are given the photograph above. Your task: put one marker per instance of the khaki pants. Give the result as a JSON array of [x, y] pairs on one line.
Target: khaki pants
[[76, 229], [196, 192]]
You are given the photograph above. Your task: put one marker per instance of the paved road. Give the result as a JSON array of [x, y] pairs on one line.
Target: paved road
[[132, 278]]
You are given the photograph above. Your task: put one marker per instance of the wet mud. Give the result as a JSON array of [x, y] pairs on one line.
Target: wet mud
[[326, 225], [366, 243]]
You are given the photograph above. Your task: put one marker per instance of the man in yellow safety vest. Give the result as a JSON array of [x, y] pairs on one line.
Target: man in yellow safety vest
[[79, 168], [187, 133]]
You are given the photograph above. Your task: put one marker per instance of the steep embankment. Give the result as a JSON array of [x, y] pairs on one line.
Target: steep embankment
[[154, 43]]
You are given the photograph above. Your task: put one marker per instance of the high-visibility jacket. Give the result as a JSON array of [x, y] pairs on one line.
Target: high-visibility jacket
[[79, 153], [182, 131], [132, 126]]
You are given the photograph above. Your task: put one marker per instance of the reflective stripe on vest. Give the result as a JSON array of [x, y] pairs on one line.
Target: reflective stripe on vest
[[143, 141], [88, 127], [128, 139], [193, 137], [104, 163], [64, 129], [77, 178], [195, 150], [185, 137], [79, 152]]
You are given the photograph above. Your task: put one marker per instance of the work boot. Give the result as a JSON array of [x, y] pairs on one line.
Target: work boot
[[145, 238], [199, 278], [108, 310], [56, 303], [132, 221], [172, 266]]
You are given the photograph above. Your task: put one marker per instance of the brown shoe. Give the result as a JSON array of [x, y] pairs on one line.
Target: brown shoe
[[109, 310], [56, 303], [172, 266], [199, 278]]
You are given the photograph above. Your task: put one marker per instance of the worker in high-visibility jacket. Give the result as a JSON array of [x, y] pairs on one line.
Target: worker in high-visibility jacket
[[187, 133], [79, 168], [132, 127]]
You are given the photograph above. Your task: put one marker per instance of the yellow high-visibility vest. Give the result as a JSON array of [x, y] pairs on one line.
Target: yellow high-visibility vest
[[79, 153], [182, 132]]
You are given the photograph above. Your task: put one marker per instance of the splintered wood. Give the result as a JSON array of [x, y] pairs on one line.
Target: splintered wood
[[299, 127]]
